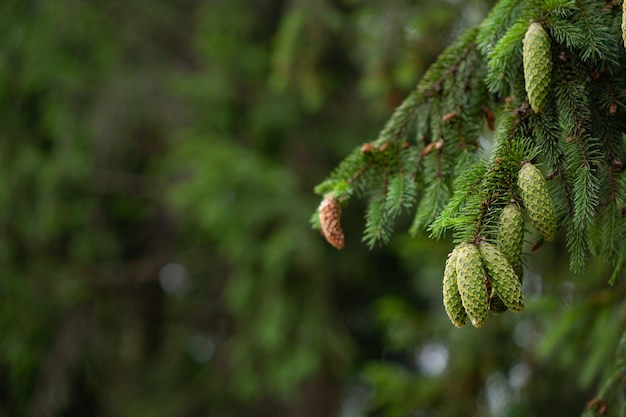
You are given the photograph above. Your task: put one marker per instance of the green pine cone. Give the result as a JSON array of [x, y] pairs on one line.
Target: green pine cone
[[471, 277], [451, 297], [534, 192], [503, 279], [537, 61], [511, 236]]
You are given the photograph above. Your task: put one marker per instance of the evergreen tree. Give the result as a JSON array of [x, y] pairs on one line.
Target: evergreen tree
[[551, 74]]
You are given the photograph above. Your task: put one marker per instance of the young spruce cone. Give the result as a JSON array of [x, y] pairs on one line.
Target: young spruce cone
[[511, 236], [451, 297], [471, 280], [537, 61], [330, 217], [503, 279], [534, 192]]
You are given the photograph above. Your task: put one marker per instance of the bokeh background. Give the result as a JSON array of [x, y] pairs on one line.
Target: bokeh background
[[157, 162]]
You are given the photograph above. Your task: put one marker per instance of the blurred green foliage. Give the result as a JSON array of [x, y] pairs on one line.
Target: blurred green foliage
[[155, 189]]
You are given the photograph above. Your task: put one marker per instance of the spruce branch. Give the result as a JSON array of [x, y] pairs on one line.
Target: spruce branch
[[464, 186], [447, 64], [561, 25], [479, 196], [377, 220], [561, 8], [586, 198], [600, 35], [428, 157], [500, 18], [504, 74]]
